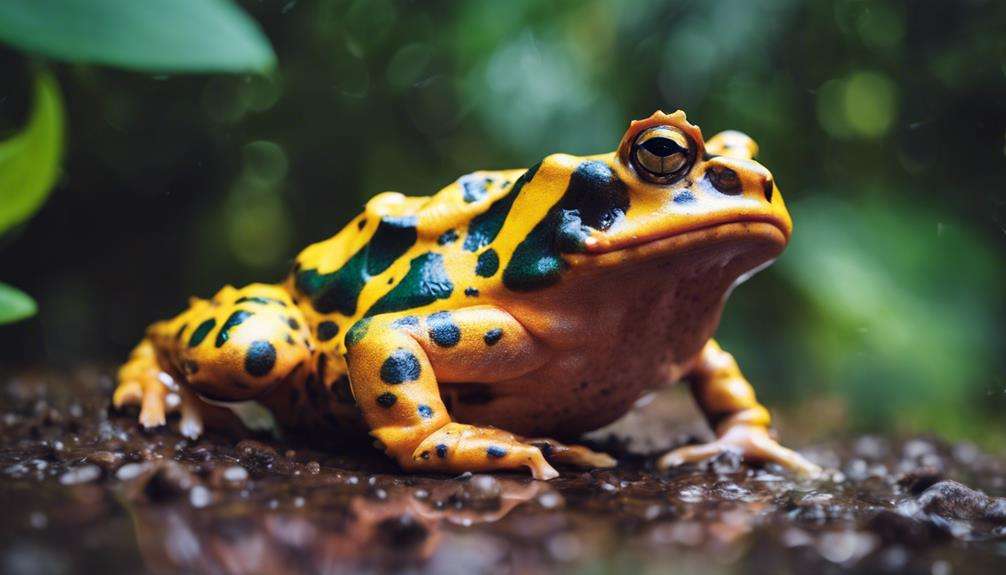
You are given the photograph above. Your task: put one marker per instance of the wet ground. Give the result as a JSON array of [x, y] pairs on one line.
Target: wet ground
[[84, 490]]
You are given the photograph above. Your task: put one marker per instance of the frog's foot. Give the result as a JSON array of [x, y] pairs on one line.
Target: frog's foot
[[458, 447], [143, 383], [575, 455], [752, 441]]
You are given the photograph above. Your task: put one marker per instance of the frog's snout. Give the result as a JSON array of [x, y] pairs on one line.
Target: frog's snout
[[741, 177]]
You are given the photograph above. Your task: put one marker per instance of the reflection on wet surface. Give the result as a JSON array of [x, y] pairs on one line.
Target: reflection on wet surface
[[83, 491]]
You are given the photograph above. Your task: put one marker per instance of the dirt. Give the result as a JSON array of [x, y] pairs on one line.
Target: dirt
[[84, 489]]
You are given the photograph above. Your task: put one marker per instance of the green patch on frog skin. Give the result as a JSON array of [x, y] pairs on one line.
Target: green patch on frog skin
[[235, 319], [484, 227], [536, 263], [356, 333], [488, 263], [201, 331], [594, 199], [426, 282], [339, 290]]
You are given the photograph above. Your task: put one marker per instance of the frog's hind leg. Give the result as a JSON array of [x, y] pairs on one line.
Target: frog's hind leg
[[395, 362], [234, 347]]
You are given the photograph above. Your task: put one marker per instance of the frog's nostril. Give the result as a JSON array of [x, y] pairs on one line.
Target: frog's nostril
[[767, 186]]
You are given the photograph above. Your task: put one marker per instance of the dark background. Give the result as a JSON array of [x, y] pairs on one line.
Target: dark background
[[883, 122]]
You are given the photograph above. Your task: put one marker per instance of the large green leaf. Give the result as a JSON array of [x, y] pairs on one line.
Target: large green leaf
[[14, 304], [29, 161], [151, 35]]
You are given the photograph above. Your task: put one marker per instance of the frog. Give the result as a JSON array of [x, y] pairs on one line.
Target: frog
[[473, 329]]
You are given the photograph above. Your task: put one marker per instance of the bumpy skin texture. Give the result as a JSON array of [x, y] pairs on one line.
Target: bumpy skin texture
[[541, 302]]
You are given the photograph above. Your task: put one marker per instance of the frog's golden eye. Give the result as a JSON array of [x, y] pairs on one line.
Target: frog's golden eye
[[662, 154]]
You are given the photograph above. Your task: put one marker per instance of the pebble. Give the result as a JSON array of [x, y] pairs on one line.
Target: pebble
[[200, 496], [235, 474], [551, 500], [130, 471], [80, 474]]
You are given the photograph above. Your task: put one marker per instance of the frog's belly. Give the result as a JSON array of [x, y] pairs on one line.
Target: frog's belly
[[575, 393]]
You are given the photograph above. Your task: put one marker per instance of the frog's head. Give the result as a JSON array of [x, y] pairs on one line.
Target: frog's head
[[665, 191], [676, 186]]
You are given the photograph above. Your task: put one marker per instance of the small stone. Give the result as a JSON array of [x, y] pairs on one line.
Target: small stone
[[845, 546], [256, 453], [996, 510], [954, 500], [235, 474], [692, 494], [80, 474], [38, 520], [551, 500], [200, 496], [130, 471]]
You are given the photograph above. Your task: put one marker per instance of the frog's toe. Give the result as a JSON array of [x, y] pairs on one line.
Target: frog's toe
[[191, 423], [127, 393], [575, 455], [152, 409], [753, 442], [691, 454]]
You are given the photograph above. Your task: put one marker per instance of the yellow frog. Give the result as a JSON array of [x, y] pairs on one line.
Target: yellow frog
[[511, 305]]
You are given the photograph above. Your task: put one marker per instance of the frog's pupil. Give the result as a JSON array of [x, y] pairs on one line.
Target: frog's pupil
[[661, 147]]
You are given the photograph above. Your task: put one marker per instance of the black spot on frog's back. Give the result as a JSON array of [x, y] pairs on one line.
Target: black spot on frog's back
[[487, 263]]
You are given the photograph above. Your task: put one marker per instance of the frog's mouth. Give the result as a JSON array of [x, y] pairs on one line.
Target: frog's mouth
[[758, 228]]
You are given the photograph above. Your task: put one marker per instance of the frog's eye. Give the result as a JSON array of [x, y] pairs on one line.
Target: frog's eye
[[662, 154]]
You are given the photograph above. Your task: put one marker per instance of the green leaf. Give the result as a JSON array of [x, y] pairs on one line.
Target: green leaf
[[29, 161], [150, 35], [15, 305]]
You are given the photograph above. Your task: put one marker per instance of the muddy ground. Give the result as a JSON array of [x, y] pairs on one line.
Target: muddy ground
[[84, 490]]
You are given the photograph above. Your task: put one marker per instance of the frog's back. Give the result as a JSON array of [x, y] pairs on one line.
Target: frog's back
[[337, 281]]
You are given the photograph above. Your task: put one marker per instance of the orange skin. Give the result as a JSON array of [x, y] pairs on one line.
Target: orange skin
[[511, 304]]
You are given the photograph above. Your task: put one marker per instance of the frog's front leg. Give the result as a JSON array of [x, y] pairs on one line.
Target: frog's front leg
[[395, 362], [740, 422]]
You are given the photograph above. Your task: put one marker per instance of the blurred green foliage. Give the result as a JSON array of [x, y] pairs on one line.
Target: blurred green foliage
[[29, 165], [156, 35], [152, 35], [883, 122]]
